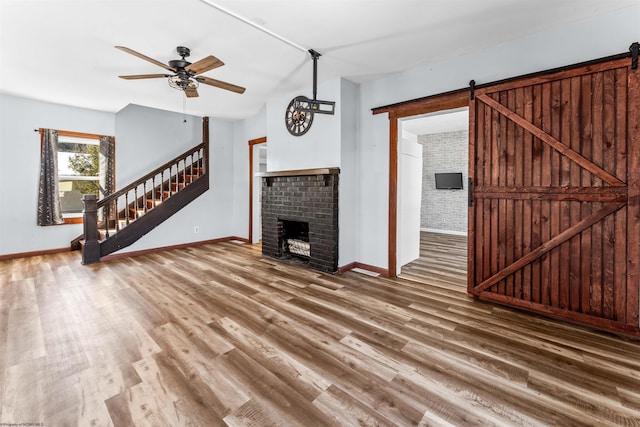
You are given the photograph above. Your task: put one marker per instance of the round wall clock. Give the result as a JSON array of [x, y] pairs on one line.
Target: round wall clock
[[298, 122]]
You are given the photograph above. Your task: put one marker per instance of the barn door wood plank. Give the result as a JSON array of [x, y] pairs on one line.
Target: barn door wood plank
[[502, 143], [474, 231], [527, 181], [585, 210], [597, 100], [486, 244], [565, 206], [555, 220], [518, 205], [608, 224], [509, 178], [545, 219], [620, 273], [575, 181], [536, 180], [633, 183], [494, 181], [554, 242], [551, 141]]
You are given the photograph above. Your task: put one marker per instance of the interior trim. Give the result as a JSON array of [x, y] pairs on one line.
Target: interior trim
[[171, 247], [372, 268], [74, 134], [73, 220], [33, 253], [448, 101], [252, 142], [302, 172]]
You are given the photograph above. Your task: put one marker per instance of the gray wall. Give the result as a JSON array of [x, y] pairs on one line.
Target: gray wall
[[145, 138], [20, 169], [444, 209], [556, 46]]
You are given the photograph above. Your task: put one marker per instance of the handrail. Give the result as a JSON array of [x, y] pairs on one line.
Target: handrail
[[137, 202], [153, 173]]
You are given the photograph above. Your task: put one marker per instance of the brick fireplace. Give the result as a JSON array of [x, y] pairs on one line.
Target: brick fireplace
[[300, 217]]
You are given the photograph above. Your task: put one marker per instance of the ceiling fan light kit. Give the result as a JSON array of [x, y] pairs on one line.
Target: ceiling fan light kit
[[186, 74]]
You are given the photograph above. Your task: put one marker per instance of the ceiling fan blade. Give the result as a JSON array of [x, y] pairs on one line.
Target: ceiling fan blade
[[205, 64], [146, 58], [144, 76], [219, 83], [191, 92]]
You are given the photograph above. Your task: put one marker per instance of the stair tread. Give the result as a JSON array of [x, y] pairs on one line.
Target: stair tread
[[138, 203]]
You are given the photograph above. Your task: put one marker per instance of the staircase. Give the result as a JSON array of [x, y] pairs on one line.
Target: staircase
[[126, 215]]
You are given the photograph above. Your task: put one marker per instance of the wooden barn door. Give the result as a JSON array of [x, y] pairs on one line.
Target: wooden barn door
[[555, 203]]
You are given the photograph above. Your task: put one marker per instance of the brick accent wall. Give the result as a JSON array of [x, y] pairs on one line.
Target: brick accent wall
[[444, 209], [305, 198]]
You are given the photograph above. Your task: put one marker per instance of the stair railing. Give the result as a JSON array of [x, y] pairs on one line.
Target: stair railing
[[116, 211]]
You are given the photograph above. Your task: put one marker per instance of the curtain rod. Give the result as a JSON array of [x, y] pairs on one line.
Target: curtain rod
[[74, 134]]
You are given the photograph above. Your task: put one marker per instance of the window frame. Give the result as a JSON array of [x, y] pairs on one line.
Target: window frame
[[77, 218]]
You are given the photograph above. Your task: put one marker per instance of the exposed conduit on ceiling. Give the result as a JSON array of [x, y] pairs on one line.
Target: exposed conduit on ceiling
[[255, 25]]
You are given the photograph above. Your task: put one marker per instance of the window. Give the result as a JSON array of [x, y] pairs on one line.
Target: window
[[85, 165], [78, 172]]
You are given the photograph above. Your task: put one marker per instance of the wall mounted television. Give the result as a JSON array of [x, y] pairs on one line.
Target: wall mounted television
[[449, 181]]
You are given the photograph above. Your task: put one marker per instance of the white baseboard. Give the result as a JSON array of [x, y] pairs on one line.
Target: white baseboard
[[436, 230]]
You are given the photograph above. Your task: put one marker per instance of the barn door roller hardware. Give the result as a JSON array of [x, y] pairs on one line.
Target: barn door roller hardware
[[302, 103], [634, 48]]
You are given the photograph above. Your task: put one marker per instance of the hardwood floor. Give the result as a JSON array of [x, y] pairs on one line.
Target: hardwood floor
[[443, 261], [219, 335]]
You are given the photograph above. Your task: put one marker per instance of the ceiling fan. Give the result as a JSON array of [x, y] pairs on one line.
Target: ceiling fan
[[185, 75]]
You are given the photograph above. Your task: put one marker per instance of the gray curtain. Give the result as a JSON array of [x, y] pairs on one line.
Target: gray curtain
[[49, 208], [107, 176], [107, 165]]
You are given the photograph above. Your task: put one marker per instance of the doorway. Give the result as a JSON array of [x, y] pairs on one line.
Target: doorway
[[432, 212], [257, 165]]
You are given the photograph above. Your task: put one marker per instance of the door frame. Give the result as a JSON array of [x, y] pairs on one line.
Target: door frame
[[431, 104], [252, 142]]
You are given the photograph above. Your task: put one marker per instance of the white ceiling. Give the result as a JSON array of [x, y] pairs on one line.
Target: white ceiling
[[63, 51], [442, 121]]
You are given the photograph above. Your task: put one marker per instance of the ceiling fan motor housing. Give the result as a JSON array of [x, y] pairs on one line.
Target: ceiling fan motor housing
[[183, 51], [181, 64]]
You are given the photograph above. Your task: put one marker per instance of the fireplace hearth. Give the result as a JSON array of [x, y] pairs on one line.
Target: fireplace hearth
[[300, 217]]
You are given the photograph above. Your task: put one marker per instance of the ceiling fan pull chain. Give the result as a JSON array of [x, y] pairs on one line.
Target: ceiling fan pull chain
[[184, 107]]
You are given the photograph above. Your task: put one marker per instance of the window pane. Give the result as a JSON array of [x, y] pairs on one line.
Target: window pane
[[78, 159], [71, 192]]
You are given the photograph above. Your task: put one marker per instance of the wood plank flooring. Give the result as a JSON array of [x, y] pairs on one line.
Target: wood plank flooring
[[218, 335], [443, 261]]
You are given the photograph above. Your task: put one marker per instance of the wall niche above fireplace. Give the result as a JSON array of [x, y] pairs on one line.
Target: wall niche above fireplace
[[301, 206]]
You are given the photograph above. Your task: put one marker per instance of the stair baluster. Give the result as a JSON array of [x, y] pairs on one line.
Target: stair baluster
[[115, 209]]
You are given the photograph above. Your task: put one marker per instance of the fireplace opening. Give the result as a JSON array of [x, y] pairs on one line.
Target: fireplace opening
[[294, 239]]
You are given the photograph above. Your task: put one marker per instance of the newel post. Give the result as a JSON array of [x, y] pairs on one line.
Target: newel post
[[91, 246], [205, 140]]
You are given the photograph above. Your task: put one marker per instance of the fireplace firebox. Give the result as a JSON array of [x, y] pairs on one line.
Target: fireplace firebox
[[300, 217], [293, 238]]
